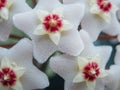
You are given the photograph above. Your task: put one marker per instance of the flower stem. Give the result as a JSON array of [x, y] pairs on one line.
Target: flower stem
[[106, 37], [34, 2], [15, 36], [7, 45]]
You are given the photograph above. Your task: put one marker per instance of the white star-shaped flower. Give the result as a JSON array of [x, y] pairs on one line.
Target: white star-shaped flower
[[8, 8], [17, 71], [88, 69], [52, 26], [101, 15], [10, 75]]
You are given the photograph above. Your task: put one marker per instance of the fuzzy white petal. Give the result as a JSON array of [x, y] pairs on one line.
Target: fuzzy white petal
[[55, 37], [39, 30]]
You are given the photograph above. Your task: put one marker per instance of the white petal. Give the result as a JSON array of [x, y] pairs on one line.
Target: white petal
[[46, 5], [66, 25], [78, 78], [93, 25], [112, 81], [5, 62], [65, 66], [114, 27], [21, 52], [100, 84], [39, 30], [41, 14], [75, 1], [34, 78], [19, 71], [4, 13], [117, 55], [26, 22], [72, 86], [71, 43], [58, 11], [70, 1], [76, 16], [43, 47], [5, 29], [17, 86], [55, 37], [18, 7], [91, 85]]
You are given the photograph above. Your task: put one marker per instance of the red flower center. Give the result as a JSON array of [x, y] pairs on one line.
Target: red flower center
[[2, 3], [52, 23], [105, 6], [91, 71], [7, 77]]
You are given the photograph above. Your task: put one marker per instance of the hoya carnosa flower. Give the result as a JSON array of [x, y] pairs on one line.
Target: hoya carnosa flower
[[10, 75], [17, 71], [100, 15], [8, 8], [89, 70], [86, 71], [52, 26]]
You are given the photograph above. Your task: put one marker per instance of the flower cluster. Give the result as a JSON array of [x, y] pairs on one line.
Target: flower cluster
[[68, 26]]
